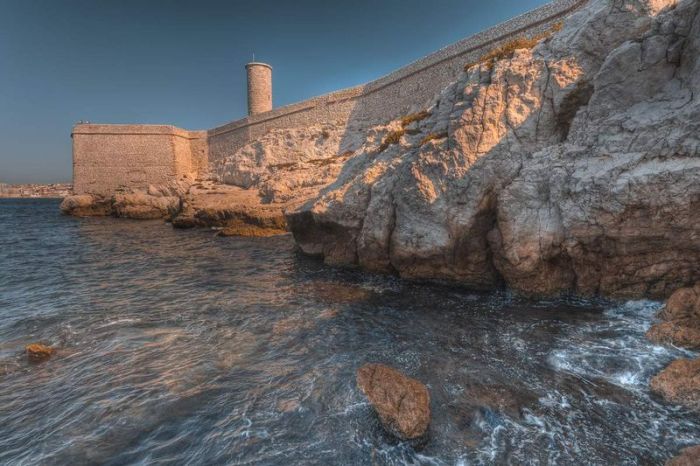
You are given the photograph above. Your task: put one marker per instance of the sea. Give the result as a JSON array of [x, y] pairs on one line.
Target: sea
[[182, 347]]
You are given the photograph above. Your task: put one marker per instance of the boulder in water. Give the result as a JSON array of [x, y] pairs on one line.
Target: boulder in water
[[402, 403], [36, 352], [680, 383], [689, 457], [86, 205], [681, 326]]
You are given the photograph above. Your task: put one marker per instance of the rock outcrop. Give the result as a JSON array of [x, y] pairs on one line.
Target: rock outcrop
[[681, 320], [255, 186], [679, 383], [688, 457], [571, 166], [402, 403], [86, 205]]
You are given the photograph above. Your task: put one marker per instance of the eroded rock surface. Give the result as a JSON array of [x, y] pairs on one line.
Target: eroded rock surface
[[679, 383], [573, 166], [688, 457], [255, 185], [681, 319], [402, 403]]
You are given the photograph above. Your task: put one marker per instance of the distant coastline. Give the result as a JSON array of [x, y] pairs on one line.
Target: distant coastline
[[53, 190]]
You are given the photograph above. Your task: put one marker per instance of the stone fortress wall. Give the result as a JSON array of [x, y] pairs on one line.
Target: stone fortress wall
[[107, 157]]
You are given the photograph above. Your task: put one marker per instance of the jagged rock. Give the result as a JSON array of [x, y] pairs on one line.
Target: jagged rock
[[684, 303], [684, 333], [573, 166], [86, 205], [682, 319], [688, 457], [290, 164], [36, 352], [679, 383], [402, 403]]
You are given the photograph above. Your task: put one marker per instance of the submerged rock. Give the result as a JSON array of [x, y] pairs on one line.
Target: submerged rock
[[36, 352], [679, 383], [250, 230], [402, 403], [688, 457]]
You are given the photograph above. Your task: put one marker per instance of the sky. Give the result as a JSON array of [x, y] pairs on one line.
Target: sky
[[182, 62]]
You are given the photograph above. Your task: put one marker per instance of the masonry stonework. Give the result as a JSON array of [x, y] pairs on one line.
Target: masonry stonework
[[259, 88], [107, 157]]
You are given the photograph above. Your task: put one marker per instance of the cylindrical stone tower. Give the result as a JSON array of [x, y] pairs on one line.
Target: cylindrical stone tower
[[259, 87]]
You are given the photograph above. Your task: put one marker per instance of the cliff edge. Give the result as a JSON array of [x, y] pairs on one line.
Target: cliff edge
[[567, 162]]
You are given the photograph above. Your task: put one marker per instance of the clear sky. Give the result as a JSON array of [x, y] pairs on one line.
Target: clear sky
[[181, 62]]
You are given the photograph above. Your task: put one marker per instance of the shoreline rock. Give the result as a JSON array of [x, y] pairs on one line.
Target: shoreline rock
[[402, 403], [679, 383], [689, 456], [569, 167], [36, 352], [681, 320], [541, 169]]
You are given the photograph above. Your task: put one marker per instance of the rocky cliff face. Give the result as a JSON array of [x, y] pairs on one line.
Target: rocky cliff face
[[253, 187], [570, 166]]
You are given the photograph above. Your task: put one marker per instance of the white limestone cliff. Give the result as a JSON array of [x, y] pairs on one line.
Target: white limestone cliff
[[571, 166]]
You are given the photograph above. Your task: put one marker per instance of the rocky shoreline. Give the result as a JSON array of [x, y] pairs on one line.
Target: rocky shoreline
[[566, 164]]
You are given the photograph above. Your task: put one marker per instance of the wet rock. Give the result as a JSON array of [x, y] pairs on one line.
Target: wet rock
[[36, 352], [688, 457], [679, 383], [684, 333], [86, 205], [681, 314], [250, 230], [684, 303], [141, 206], [402, 403]]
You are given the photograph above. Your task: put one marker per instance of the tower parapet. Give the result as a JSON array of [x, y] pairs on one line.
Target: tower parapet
[[259, 87]]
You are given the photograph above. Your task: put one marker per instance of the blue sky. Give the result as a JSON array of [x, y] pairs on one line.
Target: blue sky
[[182, 62]]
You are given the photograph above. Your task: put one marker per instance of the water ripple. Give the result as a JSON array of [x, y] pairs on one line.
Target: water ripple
[[181, 347]]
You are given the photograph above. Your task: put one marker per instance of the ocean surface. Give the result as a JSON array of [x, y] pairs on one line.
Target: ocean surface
[[179, 347]]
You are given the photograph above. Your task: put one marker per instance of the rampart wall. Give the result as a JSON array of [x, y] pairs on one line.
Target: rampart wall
[[388, 97], [106, 157], [109, 157]]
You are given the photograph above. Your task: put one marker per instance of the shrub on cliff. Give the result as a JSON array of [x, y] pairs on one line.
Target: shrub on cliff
[[432, 136], [394, 137], [408, 119], [507, 49]]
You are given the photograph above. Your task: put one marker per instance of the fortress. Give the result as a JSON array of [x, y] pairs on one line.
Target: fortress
[[107, 158]]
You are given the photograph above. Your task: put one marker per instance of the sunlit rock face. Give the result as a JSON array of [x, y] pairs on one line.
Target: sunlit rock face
[[571, 166]]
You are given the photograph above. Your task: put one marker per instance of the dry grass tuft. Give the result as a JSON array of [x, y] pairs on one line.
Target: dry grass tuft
[[432, 136], [394, 137], [507, 49], [408, 119]]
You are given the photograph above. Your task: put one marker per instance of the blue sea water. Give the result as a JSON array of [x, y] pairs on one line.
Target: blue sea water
[[179, 347]]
